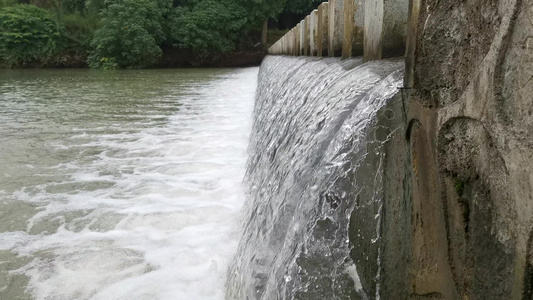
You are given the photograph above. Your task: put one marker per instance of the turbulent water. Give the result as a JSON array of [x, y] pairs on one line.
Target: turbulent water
[[314, 158], [121, 185]]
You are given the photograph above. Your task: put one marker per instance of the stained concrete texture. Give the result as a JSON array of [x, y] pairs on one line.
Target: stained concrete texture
[[338, 29], [322, 31], [384, 28], [468, 149], [302, 37], [307, 34], [313, 30], [331, 27], [349, 26]]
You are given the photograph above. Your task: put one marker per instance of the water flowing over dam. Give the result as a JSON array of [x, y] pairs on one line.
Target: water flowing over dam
[[315, 158]]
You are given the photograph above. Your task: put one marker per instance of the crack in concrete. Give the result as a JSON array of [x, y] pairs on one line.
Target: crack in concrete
[[527, 82]]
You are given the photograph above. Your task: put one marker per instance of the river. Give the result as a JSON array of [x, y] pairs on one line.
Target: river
[[121, 184]]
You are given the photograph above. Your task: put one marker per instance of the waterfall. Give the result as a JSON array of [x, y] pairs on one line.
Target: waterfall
[[314, 174]]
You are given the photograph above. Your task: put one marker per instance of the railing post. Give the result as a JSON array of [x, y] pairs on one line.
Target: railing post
[[322, 34], [349, 28]]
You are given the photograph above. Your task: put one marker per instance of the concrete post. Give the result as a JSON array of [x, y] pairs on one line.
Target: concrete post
[[294, 38], [302, 36], [384, 28], [288, 41], [323, 27], [373, 30], [357, 45], [338, 28], [282, 45], [313, 32], [353, 28], [296, 33], [349, 28], [331, 28], [287, 45], [410, 47], [306, 35]]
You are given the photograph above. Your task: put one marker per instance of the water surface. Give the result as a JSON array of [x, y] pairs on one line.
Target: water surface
[[121, 184]]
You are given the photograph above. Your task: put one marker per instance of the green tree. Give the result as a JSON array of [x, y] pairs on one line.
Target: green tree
[[27, 34], [129, 34], [260, 11], [208, 25], [302, 6]]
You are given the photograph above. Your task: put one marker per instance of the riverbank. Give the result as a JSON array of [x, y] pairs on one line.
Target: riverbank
[[171, 58]]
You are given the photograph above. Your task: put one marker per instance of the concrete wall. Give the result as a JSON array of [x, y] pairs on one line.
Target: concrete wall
[[460, 189], [347, 28]]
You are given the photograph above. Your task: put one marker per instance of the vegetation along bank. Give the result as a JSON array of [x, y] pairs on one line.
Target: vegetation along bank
[[109, 34]]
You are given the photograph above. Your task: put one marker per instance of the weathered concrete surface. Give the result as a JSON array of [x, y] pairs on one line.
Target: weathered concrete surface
[[352, 44], [410, 43], [313, 30], [307, 34], [357, 43], [349, 24], [294, 42], [467, 189], [302, 37], [336, 27], [373, 30], [331, 27], [384, 28], [395, 15], [322, 31], [297, 39]]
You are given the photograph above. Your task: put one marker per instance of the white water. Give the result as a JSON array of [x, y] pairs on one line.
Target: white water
[[151, 215], [315, 178]]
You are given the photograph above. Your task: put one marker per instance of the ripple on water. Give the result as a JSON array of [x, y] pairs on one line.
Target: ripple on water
[[121, 185]]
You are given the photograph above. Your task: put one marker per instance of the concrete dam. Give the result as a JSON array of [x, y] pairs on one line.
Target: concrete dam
[[391, 155]]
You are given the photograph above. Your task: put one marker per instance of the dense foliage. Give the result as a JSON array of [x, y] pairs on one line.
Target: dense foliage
[[130, 33], [27, 33], [302, 6], [209, 25]]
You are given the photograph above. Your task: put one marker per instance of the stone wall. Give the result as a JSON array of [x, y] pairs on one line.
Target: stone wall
[[467, 156]]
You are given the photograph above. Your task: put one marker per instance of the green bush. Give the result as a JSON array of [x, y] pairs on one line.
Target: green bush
[[80, 28], [27, 33], [209, 26], [129, 34], [6, 3], [73, 6]]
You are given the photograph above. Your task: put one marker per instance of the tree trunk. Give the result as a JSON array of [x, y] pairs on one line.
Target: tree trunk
[[264, 32]]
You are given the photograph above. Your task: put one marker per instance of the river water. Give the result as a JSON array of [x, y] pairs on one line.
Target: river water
[[121, 184]]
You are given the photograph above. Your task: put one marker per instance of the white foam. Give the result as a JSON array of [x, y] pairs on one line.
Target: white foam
[[160, 221]]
